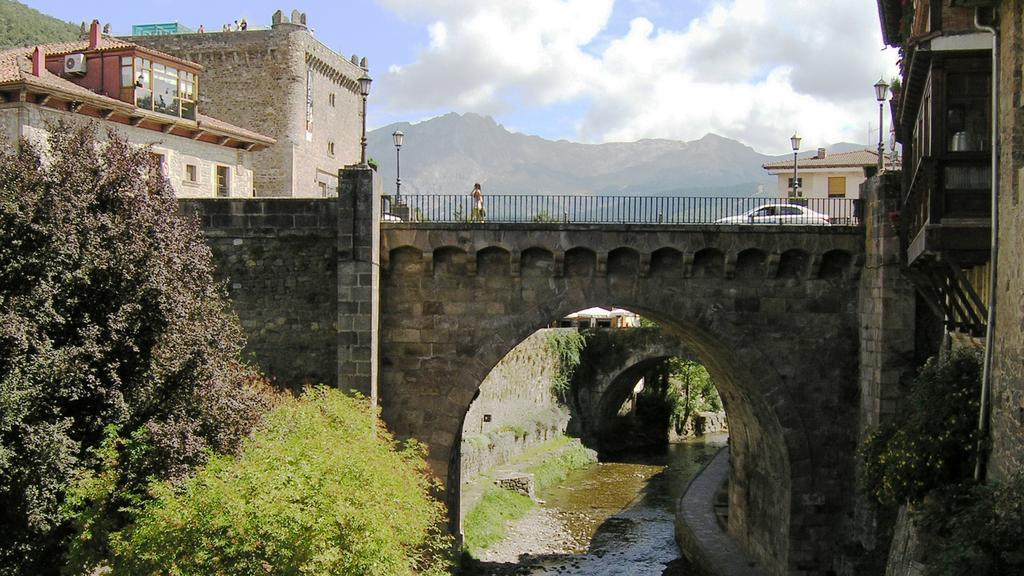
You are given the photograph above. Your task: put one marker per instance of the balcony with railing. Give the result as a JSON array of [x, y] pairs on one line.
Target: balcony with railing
[[947, 210]]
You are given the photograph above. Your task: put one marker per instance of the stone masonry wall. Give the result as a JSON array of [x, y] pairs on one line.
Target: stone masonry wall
[[176, 150], [257, 79], [1008, 370], [886, 356], [278, 259], [523, 410]]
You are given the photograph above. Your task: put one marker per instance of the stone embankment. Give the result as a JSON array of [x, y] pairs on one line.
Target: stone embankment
[[515, 410], [697, 425]]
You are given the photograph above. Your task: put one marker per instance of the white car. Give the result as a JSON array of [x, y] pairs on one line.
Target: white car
[[779, 214]]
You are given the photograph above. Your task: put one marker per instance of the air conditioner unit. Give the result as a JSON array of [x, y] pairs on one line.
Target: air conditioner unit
[[74, 64]]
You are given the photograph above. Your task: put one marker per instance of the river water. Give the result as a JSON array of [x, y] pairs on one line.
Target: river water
[[612, 518]]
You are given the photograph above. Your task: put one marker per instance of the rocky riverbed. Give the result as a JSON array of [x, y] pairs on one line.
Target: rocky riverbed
[[609, 519]]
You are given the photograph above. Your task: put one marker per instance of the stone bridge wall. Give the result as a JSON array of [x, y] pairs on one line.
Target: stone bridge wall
[[771, 312], [278, 259], [775, 314]]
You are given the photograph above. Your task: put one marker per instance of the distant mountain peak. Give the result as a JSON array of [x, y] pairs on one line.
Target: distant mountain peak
[[446, 154]]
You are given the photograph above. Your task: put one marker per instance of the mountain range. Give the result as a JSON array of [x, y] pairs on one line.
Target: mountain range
[[447, 154]]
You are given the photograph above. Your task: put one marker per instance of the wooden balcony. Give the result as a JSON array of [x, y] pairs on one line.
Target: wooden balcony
[[947, 210]]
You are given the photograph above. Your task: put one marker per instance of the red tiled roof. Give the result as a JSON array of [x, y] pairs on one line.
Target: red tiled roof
[[855, 159], [16, 68]]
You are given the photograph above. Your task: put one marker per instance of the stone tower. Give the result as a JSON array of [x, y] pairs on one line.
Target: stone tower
[[283, 82]]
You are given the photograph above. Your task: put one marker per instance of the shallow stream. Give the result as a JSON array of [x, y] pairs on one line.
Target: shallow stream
[[612, 518]]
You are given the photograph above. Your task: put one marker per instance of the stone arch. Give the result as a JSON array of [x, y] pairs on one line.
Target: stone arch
[[667, 262], [450, 261], [624, 261], [750, 263], [785, 424], [405, 260], [709, 263], [768, 441], [580, 262], [835, 264], [537, 262], [493, 261], [794, 264]]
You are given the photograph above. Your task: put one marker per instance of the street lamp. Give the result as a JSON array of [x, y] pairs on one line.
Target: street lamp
[[794, 140], [364, 89], [881, 88], [398, 137]]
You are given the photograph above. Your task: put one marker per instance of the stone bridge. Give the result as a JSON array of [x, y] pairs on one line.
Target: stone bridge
[[618, 358], [418, 314]]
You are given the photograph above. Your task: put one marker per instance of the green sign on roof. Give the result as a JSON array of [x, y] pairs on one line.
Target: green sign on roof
[[159, 29]]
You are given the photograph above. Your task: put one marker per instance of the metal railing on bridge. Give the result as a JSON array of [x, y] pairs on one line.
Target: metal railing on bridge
[[669, 210]]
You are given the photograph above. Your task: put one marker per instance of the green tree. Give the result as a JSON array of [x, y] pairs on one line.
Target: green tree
[[109, 315], [313, 492]]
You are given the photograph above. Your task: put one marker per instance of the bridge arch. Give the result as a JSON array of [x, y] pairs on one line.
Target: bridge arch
[[781, 351]]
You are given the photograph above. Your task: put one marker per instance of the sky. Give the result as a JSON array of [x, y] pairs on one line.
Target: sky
[[589, 70]]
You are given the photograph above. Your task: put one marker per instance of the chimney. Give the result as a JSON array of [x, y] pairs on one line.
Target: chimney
[[94, 35], [822, 152], [38, 62]]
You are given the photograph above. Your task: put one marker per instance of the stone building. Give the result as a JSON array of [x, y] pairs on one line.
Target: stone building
[[943, 113], [285, 83], [145, 95]]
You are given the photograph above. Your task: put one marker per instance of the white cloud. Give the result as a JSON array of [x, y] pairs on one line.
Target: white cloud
[[754, 70]]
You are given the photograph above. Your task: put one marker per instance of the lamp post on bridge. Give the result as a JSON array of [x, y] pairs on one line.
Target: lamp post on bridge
[[399, 138], [881, 88], [794, 141], [364, 89]]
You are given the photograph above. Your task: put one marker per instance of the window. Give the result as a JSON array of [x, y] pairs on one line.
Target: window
[[330, 99], [837, 186], [190, 173], [968, 102], [158, 87], [223, 182], [799, 183], [309, 100], [330, 148], [323, 189]]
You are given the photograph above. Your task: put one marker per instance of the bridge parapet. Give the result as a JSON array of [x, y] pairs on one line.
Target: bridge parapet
[[639, 250]]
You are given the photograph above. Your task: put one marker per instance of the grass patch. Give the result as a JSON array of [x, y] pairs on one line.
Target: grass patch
[[487, 523], [553, 470]]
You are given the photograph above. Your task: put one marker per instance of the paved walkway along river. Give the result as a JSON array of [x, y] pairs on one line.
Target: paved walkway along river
[[613, 518]]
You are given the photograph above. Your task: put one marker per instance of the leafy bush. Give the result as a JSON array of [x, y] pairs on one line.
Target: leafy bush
[[975, 530], [313, 492], [109, 315], [934, 445]]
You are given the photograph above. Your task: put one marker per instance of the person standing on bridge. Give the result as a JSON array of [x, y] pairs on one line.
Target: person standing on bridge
[[478, 214]]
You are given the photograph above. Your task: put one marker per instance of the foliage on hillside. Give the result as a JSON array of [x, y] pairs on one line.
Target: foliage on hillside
[[565, 346], [24, 26], [313, 492], [675, 390], [110, 327]]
